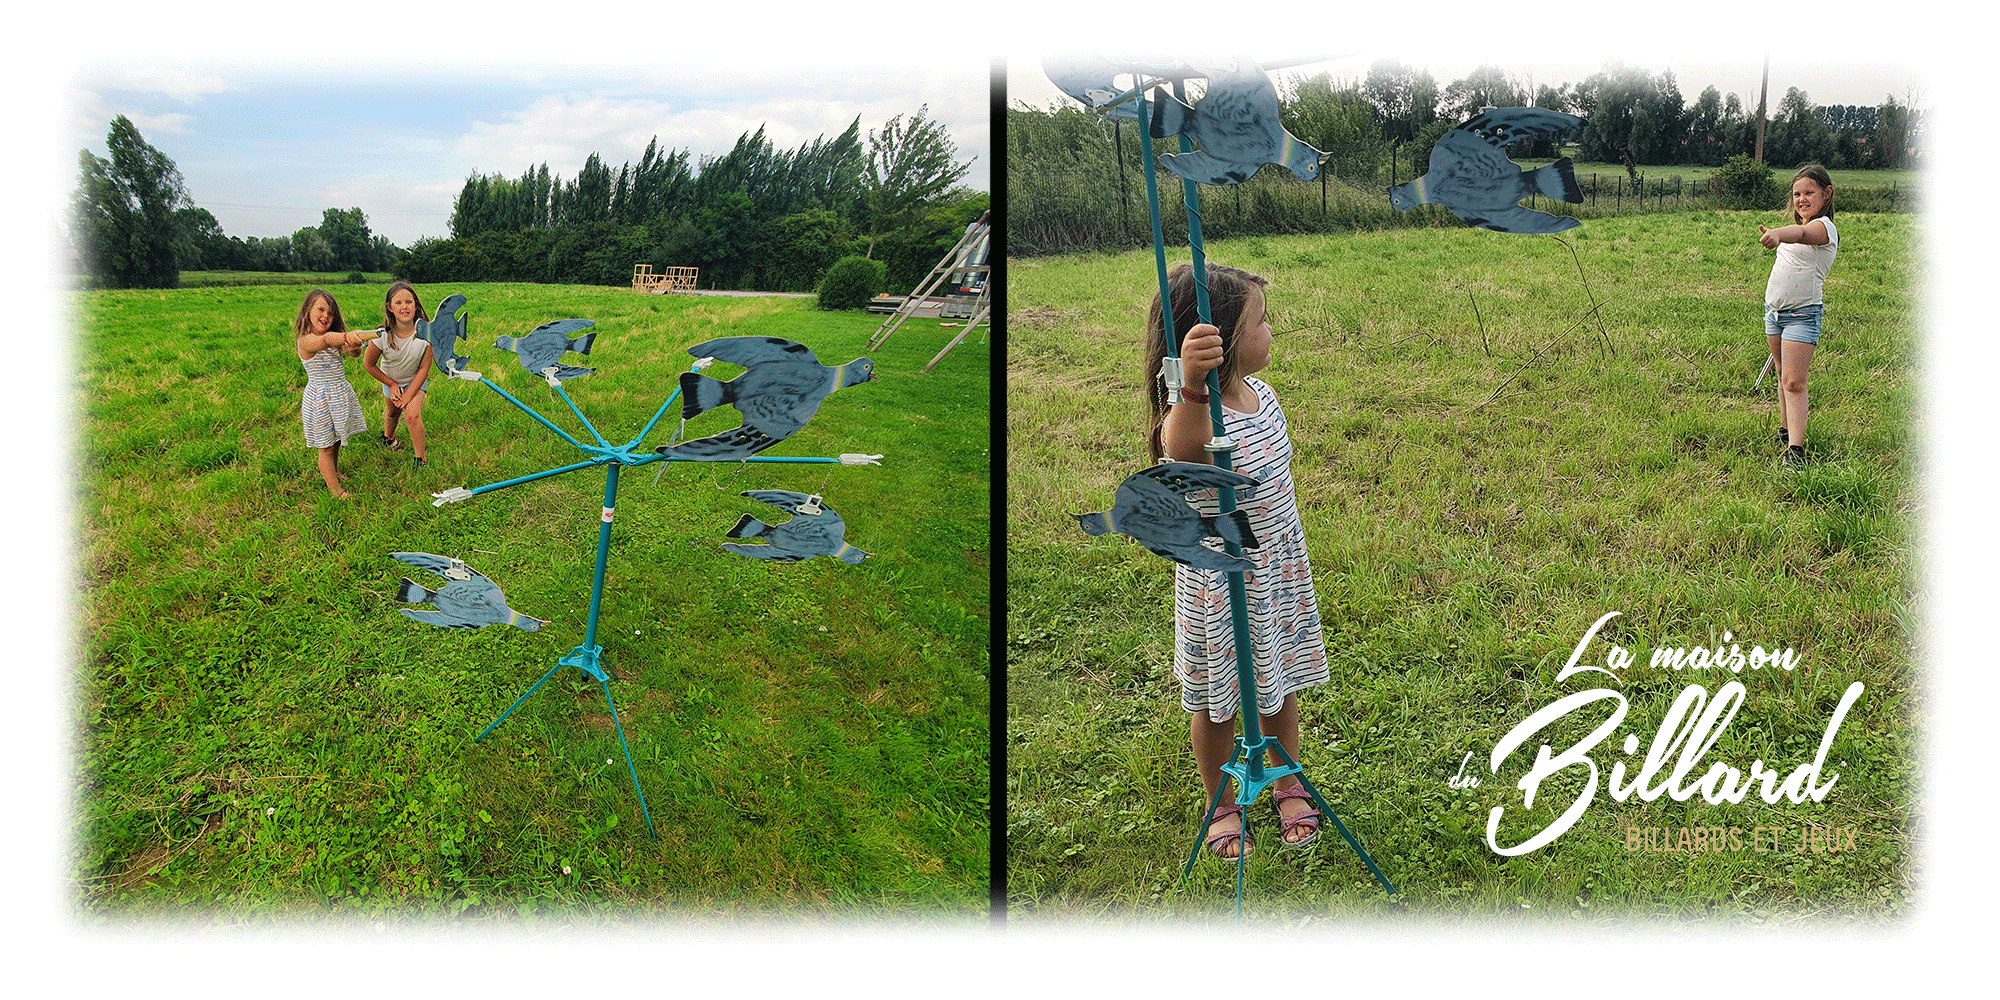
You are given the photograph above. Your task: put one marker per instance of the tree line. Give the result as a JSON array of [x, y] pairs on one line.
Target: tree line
[[754, 217], [757, 216], [1074, 180]]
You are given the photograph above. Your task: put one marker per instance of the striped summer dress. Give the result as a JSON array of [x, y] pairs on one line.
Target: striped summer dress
[[329, 409], [1288, 651]]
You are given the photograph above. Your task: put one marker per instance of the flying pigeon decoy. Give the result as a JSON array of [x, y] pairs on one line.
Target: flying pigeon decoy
[[443, 331], [1236, 125], [1471, 175], [1151, 506], [814, 530], [780, 389], [543, 347], [469, 599]]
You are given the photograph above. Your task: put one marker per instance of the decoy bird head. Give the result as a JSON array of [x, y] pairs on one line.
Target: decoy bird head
[[1407, 195], [857, 371], [1092, 524], [1302, 159]]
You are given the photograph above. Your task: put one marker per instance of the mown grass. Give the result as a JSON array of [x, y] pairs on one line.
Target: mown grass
[[260, 736], [1485, 466]]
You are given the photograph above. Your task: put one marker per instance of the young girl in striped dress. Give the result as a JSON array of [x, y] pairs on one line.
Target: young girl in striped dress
[[1289, 653], [328, 409]]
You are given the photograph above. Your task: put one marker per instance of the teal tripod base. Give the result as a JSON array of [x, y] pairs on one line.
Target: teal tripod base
[[1248, 773], [587, 659]]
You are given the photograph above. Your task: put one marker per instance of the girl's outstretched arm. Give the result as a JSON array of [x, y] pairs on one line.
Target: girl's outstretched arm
[[1812, 234], [313, 343]]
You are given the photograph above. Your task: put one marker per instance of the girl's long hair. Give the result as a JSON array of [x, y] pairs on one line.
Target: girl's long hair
[[302, 323], [1228, 290], [389, 318], [1818, 175]]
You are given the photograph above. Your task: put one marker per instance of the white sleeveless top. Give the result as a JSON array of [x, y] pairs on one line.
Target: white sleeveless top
[[401, 359], [1799, 272]]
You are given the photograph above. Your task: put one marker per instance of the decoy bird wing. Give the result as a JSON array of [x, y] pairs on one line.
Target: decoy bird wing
[[781, 499], [816, 533], [424, 560], [1514, 124], [1516, 219], [562, 327], [1144, 507], [748, 351], [473, 600], [780, 410], [1088, 78], [1181, 478], [1470, 154]]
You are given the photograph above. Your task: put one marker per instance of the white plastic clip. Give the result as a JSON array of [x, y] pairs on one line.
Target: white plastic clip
[[469, 376], [852, 458], [1175, 381], [452, 495], [456, 571], [811, 506], [550, 374], [702, 364]]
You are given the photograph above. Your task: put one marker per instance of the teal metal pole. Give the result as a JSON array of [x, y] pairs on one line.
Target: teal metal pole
[[661, 412], [530, 411], [587, 425], [603, 555]]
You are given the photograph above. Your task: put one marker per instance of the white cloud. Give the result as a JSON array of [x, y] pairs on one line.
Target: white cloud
[[181, 85]]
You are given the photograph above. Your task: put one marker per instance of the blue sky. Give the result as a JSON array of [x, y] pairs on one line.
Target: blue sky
[[267, 150]]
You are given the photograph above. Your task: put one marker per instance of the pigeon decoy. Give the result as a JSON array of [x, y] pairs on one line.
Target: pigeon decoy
[[1151, 506], [814, 530], [1471, 175], [469, 599], [543, 347], [1236, 125], [443, 330], [779, 390]]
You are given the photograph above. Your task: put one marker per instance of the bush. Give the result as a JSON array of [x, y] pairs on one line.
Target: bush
[[1745, 183], [356, 278], [851, 282]]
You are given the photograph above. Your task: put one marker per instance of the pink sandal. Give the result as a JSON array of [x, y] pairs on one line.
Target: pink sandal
[[1240, 834], [1286, 825]]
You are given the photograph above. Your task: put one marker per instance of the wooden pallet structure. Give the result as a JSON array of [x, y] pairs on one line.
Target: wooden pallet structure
[[665, 280], [966, 264]]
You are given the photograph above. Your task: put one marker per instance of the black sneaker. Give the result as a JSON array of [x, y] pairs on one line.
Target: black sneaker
[[1783, 439], [1795, 459], [419, 466], [386, 442]]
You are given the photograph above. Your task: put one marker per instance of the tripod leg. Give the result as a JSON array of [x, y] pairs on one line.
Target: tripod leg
[[1327, 811], [634, 771], [1201, 830], [517, 703]]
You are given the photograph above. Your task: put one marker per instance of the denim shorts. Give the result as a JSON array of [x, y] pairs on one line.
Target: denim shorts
[[1800, 325]]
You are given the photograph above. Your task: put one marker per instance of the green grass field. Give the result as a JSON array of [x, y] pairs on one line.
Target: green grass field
[[261, 738], [1497, 442]]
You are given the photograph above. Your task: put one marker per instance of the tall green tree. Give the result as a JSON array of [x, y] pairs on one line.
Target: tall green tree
[[123, 221], [910, 165], [347, 237]]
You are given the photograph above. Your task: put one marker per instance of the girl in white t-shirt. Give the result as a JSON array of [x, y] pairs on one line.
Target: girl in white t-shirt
[[1792, 299], [401, 361]]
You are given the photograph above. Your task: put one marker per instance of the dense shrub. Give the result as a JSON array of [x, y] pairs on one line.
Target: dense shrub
[[851, 282], [1745, 183]]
